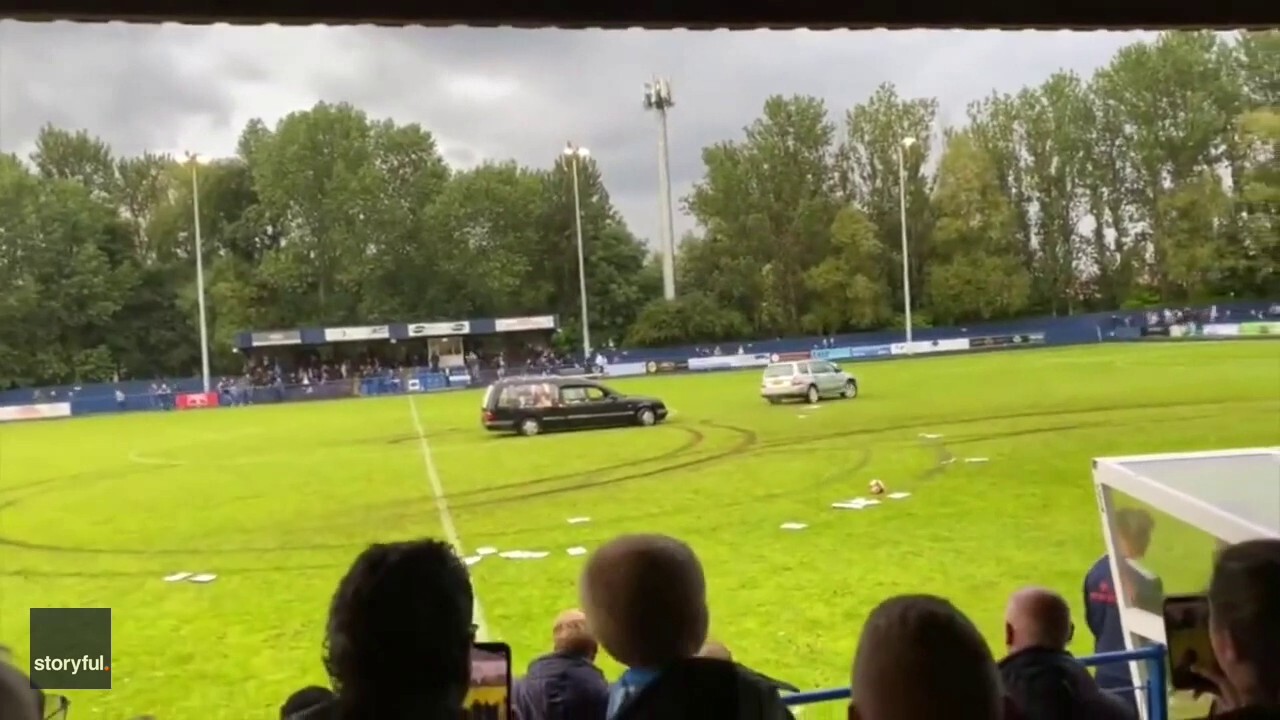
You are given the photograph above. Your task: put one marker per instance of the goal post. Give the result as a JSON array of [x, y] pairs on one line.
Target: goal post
[[1193, 503]]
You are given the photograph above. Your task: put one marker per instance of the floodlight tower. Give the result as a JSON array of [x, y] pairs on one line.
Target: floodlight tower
[[657, 97]]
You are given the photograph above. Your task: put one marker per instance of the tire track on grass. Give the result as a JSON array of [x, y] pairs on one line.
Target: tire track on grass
[[695, 438]]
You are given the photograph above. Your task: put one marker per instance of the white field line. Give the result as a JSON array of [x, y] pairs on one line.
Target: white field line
[[446, 518]]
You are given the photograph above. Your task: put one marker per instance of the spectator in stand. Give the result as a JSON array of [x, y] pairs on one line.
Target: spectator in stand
[[1039, 675], [1244, 627], [1132, 532], [398, 642], [305, 699], [920, 658], [645, 598], [17, 700], [565, 684]]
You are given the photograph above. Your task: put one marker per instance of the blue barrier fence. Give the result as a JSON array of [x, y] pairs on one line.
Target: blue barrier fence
[[1154, 689], [69, 401]]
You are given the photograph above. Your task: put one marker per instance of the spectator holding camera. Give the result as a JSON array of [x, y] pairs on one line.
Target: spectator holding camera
[[1244, 628], [398, 642]]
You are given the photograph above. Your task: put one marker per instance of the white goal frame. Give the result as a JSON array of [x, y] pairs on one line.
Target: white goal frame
[[1121, 474]]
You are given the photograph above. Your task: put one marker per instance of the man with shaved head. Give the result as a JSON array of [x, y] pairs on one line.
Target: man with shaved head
[[645, 597], [920, 658], [1039, 675], [564, 684]]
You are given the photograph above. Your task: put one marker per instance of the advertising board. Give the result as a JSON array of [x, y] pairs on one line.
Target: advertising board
[[1260, 328], [522, 324], [924, 347], [999, 341], [625, 369], [270, 338], [353, 334], [42, 411], [665, 366], [196, 401], [1222, 330], [728, 362], [440, 329]]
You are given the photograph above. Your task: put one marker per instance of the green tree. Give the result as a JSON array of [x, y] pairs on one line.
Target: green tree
[[976, 273], [875, 139], [848, 286], [768, 202]]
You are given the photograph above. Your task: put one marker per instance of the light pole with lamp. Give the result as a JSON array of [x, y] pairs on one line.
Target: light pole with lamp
[[906, 258], [575, 153], [194, 160]]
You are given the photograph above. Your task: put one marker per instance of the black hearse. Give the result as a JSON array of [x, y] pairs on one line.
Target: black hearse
[[530, 405]]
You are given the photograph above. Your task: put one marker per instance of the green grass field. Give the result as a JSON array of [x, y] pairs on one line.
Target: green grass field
[[277, 500]]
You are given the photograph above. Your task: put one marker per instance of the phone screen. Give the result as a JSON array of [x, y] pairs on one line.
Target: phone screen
[[1186, 631], [489, 697]]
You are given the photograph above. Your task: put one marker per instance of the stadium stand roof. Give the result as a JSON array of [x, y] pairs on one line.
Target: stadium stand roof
[[690, 14]]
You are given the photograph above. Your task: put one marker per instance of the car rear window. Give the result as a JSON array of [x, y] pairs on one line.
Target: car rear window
[[780, 370], [524, 395]]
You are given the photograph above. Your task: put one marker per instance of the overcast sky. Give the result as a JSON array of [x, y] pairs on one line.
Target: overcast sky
[[496, 93]]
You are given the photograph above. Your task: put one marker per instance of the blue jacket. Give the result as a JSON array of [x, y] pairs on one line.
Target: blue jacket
[[561, 686], [1103, 615]]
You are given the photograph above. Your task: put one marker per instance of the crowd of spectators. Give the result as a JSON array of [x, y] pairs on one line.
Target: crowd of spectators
[[400, 631]]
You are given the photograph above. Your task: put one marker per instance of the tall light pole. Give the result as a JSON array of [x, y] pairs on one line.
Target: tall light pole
[[906, 258], [575, 153], [194, 160], [657, 97]]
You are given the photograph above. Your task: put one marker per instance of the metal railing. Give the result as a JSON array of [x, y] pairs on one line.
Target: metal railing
[[1157, 699]]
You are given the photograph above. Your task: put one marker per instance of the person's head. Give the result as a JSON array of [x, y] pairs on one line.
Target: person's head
[[571, 635], [1037, 618], [646, 600], [17, 700], [920, 658], [715, 650], [400, 629], [305, 699], [1244, 623], [1133, 528]]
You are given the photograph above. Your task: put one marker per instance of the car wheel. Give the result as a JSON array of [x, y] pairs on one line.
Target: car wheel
[[774, 400], [812, 395], [645, 417], [850, 389], [529, 426]]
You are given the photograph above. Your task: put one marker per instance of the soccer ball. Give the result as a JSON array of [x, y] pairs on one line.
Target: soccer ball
[[876, 487]]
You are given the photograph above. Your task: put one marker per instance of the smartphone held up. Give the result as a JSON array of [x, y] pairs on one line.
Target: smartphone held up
[[1186, 630], [489, 697]]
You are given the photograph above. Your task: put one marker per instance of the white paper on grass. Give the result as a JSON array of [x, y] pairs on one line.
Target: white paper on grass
[[472, 560], [203, 578], [948, 461], [577, 551], [524, 554], [899, 495], [579, 520], [177, 577], [929, 436], [855, 504], [975, 460], [486, 551], [793, 526]]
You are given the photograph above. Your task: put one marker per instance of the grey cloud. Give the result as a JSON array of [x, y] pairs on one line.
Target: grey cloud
[[109, 79], [148, 87]]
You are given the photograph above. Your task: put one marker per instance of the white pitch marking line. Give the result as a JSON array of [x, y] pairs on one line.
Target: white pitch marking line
[[446, 518]]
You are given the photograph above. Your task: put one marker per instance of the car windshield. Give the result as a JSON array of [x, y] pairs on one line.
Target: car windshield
[[780, 370]]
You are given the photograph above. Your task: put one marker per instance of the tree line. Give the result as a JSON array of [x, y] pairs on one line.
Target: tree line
[[1156, 180]]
